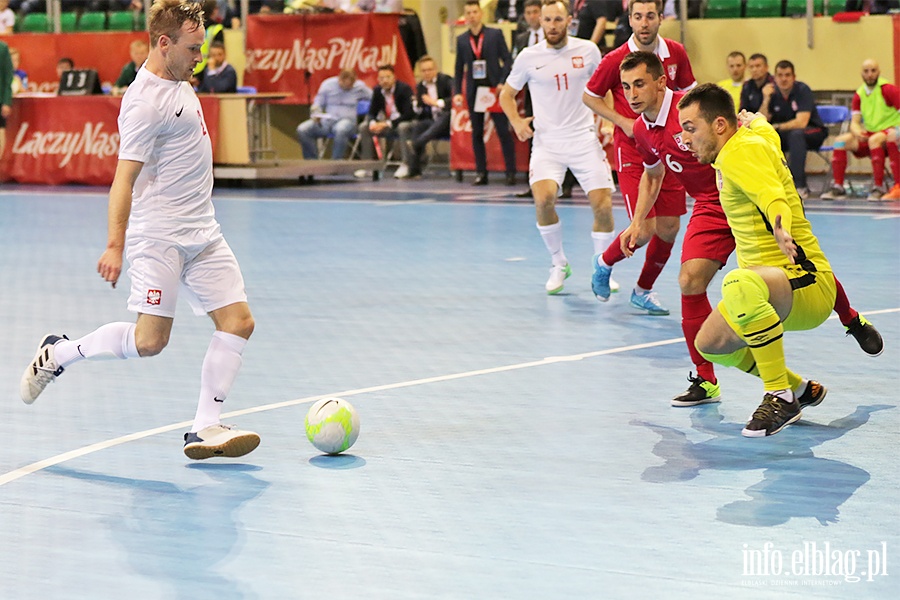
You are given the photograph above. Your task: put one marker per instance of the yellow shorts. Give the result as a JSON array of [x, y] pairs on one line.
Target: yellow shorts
[[813, 299]]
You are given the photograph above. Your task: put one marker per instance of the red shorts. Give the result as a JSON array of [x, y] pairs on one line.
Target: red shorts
[[864, 150], [671, 200], [708, 234]]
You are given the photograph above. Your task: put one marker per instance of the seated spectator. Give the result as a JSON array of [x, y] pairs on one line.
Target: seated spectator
[[62, 65], [793, 114], [757, 90], [7, 18], [333, 112], [218, 77], [670, 10], [433, 99], [737, 66], [391, 106], [139, 51], [872, 132], [20, 77]]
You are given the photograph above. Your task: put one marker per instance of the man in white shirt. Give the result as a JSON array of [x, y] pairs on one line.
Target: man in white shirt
[[556, 71], [162, 217]]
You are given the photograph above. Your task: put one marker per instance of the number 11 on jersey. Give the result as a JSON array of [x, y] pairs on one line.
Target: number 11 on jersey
[[563, 83]]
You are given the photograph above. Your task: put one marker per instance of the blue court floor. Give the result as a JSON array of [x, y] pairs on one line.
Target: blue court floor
[[514, 445]]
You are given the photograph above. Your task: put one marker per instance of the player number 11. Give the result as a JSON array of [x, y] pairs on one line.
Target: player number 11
[[563, 81]]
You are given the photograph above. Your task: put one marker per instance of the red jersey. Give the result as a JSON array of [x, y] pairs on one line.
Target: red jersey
[[660, 141], [679, 76]]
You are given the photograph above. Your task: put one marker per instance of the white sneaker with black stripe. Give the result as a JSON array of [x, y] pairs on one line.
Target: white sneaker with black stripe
[[219, 440], [42, 370]]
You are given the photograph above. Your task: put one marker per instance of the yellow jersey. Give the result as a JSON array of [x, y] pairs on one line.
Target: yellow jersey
[[734, 88], [751, 174]]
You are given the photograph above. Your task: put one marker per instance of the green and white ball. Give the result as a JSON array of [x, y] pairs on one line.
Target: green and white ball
[[332, 425]]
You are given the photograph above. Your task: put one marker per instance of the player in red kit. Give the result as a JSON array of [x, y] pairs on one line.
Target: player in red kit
[[708, 241], [663, 221]]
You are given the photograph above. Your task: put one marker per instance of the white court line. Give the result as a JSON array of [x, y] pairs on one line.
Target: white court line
[[66, 456]]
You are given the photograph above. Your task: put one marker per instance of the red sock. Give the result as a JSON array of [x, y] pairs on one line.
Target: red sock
[[878, 165], [694, 310], [842, 306], [613, 253], [658, 253], [893, 153], [839, 165]]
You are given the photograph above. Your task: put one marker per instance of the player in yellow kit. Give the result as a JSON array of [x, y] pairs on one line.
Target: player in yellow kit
[[784, 282]]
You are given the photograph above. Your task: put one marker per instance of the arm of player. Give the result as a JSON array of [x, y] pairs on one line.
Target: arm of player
[[798, 122], [110, 264], [599, 106], [637, 233], [522, 126], [782, 230]]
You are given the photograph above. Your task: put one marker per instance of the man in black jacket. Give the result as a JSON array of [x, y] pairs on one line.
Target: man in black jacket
[[391, 106], [483, 58], [433, 96]]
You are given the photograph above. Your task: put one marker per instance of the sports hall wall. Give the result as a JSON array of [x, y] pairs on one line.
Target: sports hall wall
[[832, 64]]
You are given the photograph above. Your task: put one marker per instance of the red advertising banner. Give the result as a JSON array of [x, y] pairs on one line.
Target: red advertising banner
[[295, 53], [106, 52], [462, 157], [73, 139]]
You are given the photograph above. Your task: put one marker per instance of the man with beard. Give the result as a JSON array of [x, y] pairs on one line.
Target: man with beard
[[556, 71]]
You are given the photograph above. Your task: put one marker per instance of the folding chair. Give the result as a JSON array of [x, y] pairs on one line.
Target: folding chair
[[832, 115], [362, 110]]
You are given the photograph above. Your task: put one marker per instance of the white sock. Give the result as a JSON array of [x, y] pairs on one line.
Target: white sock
[[801, 389], [640, 291], [552, 236], [220, 366], [602, 240], [113, 340], [786, 395]]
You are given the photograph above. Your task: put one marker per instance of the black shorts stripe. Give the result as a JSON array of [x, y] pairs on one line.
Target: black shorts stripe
[[803, 281]]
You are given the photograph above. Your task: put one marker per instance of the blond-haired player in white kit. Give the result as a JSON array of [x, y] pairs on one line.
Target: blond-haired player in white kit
[[556, 71], [161, 216]]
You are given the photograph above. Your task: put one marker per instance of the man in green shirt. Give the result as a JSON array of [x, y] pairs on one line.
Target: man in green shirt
[[139, 51]]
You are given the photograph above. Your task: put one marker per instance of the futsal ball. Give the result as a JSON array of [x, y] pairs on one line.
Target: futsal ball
[[332, 425]]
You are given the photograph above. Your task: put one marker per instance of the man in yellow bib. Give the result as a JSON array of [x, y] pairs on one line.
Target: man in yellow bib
[[783, 280], [873, 131]]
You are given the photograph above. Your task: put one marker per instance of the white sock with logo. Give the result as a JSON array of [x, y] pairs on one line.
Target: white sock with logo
[[111, 341], [220, 366], [552, 236]]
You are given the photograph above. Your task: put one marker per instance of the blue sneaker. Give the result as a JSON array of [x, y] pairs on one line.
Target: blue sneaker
[[600, 280], [648, 302]]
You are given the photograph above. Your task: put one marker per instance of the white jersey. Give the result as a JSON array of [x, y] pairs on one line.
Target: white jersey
[[556, 81], [161, 125]]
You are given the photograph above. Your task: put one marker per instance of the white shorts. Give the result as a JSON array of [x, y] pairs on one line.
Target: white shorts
[[208, 274], [585, 157]]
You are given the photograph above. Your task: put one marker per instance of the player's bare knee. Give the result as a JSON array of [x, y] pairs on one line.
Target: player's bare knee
[[691, 283], [667, 228], [150, 344], [241, 326]]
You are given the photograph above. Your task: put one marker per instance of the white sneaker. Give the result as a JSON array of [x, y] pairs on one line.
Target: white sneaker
[[219, 440], [402, 172], [42, 370], [361, 173], [558, 275]]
